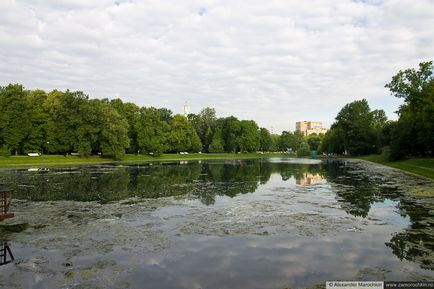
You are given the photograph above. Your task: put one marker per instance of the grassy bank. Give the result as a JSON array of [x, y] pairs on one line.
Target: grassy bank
[[419, 166], [60, 160]]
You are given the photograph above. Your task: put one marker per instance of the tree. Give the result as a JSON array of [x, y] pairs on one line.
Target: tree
[[333, 142], [426, 117], [299, 140], [204, 123], [413, 134], [313, 141], [36, 140], [409, 84], [65, 118], [249, 137], [291, 141], [265, 140], [130, 112], [354, 123], [165, 114], [303, 150], [231, 128], [286, 141], [151, 131], [182, 136], [87, 127], [274, 142], [113, 136], [15, 122], [379, 122], [217, 145]]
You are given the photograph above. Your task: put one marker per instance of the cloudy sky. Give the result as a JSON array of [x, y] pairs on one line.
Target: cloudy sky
[[276, 62]]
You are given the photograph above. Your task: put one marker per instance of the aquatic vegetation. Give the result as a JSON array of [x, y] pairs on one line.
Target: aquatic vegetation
[[107, 226]]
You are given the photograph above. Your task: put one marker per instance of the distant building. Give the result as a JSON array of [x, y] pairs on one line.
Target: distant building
[[186, 109], [310, 179], [310, 127]]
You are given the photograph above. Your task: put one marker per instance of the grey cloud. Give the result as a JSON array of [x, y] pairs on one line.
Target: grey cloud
[[276, 62]]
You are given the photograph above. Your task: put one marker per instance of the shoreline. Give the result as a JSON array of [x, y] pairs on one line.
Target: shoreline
[[419, 166], [60, 160]]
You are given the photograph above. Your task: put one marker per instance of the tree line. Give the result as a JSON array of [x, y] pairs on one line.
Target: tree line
[[358, 130], [66, 122], [70, 122]]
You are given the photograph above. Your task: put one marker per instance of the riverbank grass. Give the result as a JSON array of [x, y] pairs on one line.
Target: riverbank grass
[[419, 166]]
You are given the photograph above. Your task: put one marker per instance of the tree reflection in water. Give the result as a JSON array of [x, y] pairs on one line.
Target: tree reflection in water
[[356, 191], [416, 243]]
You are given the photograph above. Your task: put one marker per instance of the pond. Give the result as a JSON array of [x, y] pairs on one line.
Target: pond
[[271, 223]]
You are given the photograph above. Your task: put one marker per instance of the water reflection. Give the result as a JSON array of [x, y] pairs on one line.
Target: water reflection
[[6, 197], [6, 255], [416, 243], [311, 179], [356, 191], [204, 181]]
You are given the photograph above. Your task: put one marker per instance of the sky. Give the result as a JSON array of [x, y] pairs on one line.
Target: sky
[[276, 62]]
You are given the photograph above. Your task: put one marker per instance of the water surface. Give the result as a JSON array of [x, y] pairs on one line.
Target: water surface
[[216, 224]]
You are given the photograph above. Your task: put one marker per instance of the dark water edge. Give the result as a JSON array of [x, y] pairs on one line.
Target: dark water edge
[[216, 224]]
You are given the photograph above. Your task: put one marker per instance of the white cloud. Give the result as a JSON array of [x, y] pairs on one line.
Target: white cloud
[[276, 61]]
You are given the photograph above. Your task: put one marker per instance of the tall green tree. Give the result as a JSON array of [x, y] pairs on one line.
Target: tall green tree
[[289, 141], [379, 123], [355, 124], [113, 137], [286, 141], [409, 84], [265, 140], [332, 142], [413, 134], [182, 136], [231, 129], [217, 145], [151, 131], [65, 111], [204, 123], [87, 126], [36, 140], [249, 136], [165, 114], [313, 141], [130, 112], [15, 117]]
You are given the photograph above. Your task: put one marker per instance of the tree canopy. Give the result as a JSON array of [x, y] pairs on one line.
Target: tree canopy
[[413, 133], [63, 122]]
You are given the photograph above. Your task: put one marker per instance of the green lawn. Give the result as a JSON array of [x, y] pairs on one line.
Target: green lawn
[[60, 160], [419, 166]]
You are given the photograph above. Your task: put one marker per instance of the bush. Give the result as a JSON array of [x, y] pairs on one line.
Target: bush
[[303, 151]]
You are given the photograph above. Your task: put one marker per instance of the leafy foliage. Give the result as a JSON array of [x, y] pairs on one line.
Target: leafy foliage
[[151, 131], [413, 134], [217, 145], [182, 137], [65, 122], [354, 131], [15, 122]]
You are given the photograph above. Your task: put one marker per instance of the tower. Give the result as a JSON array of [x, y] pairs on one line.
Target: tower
[[186, 109]]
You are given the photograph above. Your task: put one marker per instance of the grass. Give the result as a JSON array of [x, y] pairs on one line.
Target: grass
[[419, 166], [60, 160]]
